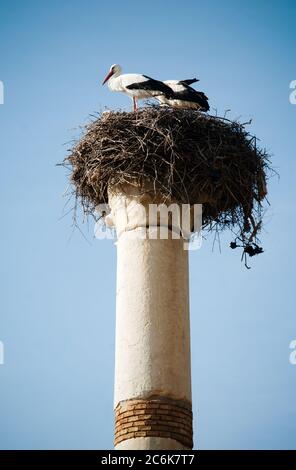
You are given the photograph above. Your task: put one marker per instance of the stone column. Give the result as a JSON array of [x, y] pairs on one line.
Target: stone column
[[152, 359]]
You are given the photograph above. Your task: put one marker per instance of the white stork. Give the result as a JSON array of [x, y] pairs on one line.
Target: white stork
[[135, 85], [184, 95]]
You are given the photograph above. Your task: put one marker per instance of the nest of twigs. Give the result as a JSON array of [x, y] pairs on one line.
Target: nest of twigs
[[189, 156]]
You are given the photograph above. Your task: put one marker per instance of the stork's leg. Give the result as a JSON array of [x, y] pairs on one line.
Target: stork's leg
[[135, 103]]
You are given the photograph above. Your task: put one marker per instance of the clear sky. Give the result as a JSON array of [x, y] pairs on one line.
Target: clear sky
[[58, 291]]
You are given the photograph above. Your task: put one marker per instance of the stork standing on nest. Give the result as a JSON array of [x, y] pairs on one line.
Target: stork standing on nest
[[136, 86], [184, 95]]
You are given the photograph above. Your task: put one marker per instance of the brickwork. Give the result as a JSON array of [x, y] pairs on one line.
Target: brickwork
[[155, 417]]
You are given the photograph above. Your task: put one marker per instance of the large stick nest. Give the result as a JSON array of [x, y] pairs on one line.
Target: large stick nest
[[189, 156]]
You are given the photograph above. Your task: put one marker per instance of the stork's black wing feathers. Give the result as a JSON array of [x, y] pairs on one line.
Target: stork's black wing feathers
[[189, 81], [154, 85]]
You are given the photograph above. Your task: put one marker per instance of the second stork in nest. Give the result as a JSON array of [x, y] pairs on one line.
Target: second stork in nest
[[185, 97]]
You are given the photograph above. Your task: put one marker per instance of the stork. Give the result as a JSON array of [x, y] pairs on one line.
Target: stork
[[184, 95], [136, 86]]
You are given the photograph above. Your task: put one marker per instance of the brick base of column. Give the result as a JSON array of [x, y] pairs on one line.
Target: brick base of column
[[154, 417]]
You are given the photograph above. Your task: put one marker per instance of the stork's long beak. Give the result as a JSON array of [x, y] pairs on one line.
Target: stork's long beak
[[107, 77]]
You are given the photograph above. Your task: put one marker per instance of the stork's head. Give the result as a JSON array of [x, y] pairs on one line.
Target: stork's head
[[114, 70]]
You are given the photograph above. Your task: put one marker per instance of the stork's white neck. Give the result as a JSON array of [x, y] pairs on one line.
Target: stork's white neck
[[113, 83]]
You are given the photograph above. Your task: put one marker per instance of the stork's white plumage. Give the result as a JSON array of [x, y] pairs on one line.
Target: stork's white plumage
[[136, 86], [185, 96]]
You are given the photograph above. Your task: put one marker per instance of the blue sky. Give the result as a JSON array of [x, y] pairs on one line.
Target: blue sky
[[58, 291]]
